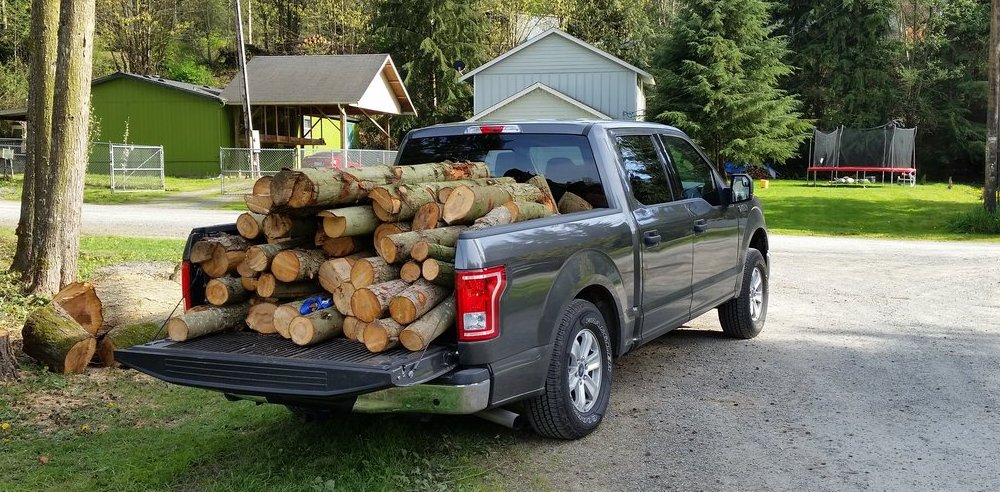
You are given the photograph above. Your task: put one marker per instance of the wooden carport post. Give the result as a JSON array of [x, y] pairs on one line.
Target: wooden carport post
[[343, 136]]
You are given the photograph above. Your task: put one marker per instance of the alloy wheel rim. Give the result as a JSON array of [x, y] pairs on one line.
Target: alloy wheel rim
[[756, 294], [584, 373]]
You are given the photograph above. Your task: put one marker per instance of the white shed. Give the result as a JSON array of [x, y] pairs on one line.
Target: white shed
[[557, 76]]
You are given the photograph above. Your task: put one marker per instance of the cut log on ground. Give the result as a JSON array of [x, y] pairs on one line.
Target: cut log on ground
[[410, 271], [388, 230], [497, 217], [297, 264], [397, 247], [55, 339], [126, 336], [423, 250], [203, 320], [334, 272], [349, 221], [80, 301], [571, 202], [342, 298], [521, 211], [410, 304], [419, 334], [225, 290], [268, 286], [128, 296], [250, 225], [316, 326], [439, 272], [259, 256], [374, 270], [284, 225], [467, 204], [440, 171], [381, 335], [260, 317], [371, 303], [8, 362], [283, 316], [427, 217], [351, 327]]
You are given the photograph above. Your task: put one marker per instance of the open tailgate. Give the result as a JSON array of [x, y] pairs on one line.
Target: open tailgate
[[264, 365]]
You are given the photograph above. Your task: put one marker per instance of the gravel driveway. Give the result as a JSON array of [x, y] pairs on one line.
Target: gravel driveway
[[877, 369]]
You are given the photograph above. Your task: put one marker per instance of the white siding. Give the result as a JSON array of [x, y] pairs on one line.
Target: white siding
[[537, 105], [566, 67]]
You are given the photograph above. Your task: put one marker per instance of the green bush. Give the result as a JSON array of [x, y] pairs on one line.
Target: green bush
[[190, 72], [977, 221]]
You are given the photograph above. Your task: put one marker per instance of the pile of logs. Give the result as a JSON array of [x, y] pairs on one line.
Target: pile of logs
[[377, 243]]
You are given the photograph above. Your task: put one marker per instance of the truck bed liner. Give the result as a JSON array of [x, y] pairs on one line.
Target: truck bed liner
[[265, 365]]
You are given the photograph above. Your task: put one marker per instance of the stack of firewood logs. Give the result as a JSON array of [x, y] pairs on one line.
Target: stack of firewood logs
[[367, 254]]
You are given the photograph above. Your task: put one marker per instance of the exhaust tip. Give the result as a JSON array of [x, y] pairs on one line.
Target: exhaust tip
[[502, 417]]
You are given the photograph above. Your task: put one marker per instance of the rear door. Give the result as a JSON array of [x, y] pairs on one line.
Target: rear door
[[716, 227], [665, 235]]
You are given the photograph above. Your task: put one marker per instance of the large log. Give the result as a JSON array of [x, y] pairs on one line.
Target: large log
[[423, 250], [351, 327], [297, 264], [384, 230], [466, 204], [374, 270], [571, 202], [316, 326], [283, 316], [268, 286], [381, 335], [81, 302], [259, 256], [126, 336], [372, 302], [410, 271], [521, 211], [128, 295], [225, 290], [250, 225], [278, 225], [8, 362], [419, 334], [280, 187], [324, 187], [548, 199], [496, 217], [434, 187], [342, 298], [334, 272], [439, 272], [260, 316], [440, 171], [405, 205], [203, 320], [349, 221], [208, 248], [53, 338], [410, 304], [397, 247], [427, 217]]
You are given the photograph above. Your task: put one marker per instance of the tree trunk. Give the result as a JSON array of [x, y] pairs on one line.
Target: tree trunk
[[372, 302], [423, 250], [427, 217], [388, 230], [408, 305], [259, 256], [283, 225], [268, 286], [440, 171], [350, 221], [342, 298], [55, 339], [44, 41], [297, 264], [466, 204], [80, 301], [419, 334], [317, 326], [374, 270], [250, 225], [204, 320], [993, 114], [57, 235], [351, 327], [129, 299], [334, 272], [521, 211], [260, 317], [496, 217], [259, 200], [397, 247], [439, 272], [225, 290], [283, 316], [571, 202], [126, 336], [8, 362], [410, 271], [381, 335]]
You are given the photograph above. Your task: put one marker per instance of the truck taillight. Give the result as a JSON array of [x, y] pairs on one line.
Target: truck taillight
[[477, 294], [186, 283]]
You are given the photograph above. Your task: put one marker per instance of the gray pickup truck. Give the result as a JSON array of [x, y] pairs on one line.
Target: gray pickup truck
[[544, 305]]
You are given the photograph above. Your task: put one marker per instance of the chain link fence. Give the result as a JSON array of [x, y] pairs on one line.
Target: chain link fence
[[11, 156], [136, 168], [241, 167]]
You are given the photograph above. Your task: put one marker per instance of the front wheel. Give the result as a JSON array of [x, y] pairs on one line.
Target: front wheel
[[743, 317], [578, 384]]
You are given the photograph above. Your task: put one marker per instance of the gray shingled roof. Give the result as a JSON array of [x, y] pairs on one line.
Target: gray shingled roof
[[319, 80], [198, 90]]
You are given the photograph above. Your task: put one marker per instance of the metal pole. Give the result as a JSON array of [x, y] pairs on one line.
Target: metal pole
[[247, 120]]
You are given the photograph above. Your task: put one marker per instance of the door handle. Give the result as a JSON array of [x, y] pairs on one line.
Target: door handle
[[700, 225], [651, 238]]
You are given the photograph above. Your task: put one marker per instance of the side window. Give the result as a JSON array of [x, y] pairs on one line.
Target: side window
[[696, 175], [644, 169]]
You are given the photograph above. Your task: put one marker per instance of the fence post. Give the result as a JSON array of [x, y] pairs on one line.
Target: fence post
[[111, 163], [163, 174]]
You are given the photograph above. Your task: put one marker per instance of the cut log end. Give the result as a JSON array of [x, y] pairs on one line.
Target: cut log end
[[410, 271], [459, 204]]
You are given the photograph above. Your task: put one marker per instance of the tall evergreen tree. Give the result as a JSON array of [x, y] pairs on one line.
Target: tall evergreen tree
[[718, 74], [426, 38], [620, 27]]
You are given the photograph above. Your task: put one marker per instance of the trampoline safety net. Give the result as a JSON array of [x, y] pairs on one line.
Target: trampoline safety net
[[887, 146]]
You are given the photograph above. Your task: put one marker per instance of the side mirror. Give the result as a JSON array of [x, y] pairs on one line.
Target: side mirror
[[741, 188]]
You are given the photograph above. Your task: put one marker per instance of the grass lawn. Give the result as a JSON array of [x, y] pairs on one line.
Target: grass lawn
[[882, 211], [114, 429], [97, 189]]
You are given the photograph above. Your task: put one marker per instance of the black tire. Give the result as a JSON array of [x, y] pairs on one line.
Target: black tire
[[737, 315], [555, 414]]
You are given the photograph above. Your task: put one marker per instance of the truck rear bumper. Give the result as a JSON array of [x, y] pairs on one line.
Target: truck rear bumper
[[453, 399]]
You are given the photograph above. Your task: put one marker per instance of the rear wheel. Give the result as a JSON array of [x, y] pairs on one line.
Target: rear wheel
[[578, 384], [744, 316]]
